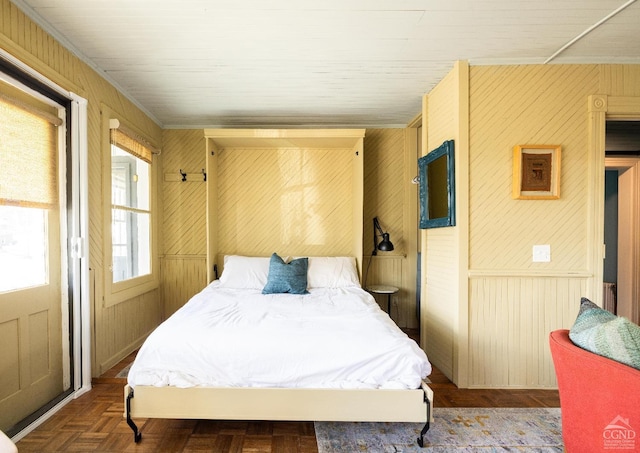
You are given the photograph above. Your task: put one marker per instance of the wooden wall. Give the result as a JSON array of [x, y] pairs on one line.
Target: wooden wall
[[184, 250], [512, 303], [293, 201], [443, 320], [515, 106], [390, 162]]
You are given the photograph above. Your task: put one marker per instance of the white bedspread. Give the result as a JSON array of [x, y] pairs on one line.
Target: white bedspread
[[330, 338]]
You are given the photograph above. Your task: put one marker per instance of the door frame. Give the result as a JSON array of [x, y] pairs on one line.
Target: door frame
[[629, 196], [78, 242], [601, 108]]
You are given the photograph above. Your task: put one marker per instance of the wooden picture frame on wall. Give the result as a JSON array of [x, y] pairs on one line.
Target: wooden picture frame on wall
[[536, 172]]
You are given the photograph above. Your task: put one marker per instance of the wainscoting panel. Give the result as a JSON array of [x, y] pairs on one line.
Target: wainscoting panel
[[440, 301], [125, 327], [391, 270], [509, 323], [183, 277]]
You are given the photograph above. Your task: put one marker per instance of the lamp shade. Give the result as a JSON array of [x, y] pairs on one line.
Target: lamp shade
[[385, 245]]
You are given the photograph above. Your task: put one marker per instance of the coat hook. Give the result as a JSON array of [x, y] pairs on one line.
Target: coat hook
[[204, 175], [184, 175]]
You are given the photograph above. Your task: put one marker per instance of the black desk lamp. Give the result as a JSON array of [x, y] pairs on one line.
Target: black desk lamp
[[384, 246]]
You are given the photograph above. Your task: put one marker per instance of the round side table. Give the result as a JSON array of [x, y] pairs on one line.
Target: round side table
[[384, 289]]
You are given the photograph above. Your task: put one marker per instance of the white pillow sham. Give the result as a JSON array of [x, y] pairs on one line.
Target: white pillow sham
[[250, 272], [244, 272], [332, 272]]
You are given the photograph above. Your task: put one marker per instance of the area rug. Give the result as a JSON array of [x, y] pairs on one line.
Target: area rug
[[454, 430]]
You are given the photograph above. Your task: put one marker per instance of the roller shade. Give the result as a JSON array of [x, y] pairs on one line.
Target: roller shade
[[131, 142], [28, 155]]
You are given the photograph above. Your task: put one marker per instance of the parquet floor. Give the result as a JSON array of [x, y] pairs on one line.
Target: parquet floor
[[94, 423]]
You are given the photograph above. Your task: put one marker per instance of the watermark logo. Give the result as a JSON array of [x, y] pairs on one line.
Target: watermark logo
[[619, 435]]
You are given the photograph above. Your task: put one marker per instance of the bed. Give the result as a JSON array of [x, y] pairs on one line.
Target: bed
[[281, 339]]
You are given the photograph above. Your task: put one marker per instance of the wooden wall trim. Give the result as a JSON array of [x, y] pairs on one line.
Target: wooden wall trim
[[529, 274], [184, 257]]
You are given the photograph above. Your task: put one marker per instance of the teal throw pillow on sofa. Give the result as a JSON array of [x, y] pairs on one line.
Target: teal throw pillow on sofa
[[606, 334], [286, 277]]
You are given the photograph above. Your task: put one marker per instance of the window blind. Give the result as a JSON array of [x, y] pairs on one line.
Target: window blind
[[28, 155], [131, 142]]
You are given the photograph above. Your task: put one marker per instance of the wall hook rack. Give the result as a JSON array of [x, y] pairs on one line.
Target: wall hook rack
[[183, 174]]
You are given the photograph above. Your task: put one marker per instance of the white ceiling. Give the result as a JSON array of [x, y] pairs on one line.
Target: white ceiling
[[326, 63]]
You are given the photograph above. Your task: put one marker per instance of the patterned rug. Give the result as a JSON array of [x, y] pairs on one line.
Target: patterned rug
[[454, 430]]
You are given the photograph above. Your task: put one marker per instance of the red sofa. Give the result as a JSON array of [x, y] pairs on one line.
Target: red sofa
[[599, 399]]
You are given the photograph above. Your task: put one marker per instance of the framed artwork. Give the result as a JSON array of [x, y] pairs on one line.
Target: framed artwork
[[536, 172]]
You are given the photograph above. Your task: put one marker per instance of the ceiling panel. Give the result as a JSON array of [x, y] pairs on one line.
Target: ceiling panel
[[302, 63]]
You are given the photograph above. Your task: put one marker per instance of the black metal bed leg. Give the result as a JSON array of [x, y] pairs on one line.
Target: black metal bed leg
[[426, 426], [422, 433], [137, 435]]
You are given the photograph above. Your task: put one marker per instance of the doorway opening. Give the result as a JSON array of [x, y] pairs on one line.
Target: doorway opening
[[621, 269]]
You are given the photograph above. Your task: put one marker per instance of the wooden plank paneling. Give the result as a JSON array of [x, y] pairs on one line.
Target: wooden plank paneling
[[510, 321], [383, 183], [527, 105], [384, 186], [294, 201], [124, 327], [511, 316], [184, 203], [518, 302], [388, 269], [183, 277], [439, 301]]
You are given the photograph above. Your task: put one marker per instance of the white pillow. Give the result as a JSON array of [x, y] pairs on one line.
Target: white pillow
[[244, 272], [332, 272]]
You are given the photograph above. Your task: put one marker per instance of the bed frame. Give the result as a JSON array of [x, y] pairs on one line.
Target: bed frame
[[298, 404]]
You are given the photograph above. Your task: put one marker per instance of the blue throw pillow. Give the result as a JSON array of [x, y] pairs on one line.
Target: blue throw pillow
[[286, 277], [606, 334]]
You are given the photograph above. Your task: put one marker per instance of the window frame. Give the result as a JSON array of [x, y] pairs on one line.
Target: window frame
[[122, 291]]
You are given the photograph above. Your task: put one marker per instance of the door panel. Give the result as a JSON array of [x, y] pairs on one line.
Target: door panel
[[31, 292], [31, 334]]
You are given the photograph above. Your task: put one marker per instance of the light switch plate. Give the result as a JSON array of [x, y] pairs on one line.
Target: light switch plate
[[541, 253]]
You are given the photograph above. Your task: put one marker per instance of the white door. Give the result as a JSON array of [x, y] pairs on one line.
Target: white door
[[34, 357]]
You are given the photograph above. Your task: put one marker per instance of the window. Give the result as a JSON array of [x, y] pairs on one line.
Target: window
[[28, 187], [131, 215]]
